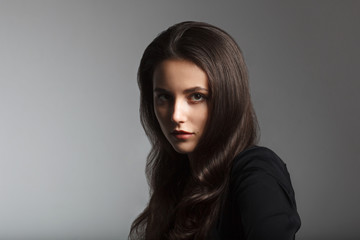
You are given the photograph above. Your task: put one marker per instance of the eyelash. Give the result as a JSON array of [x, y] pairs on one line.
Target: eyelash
[[160, 96], [168, 97], [202, 96]]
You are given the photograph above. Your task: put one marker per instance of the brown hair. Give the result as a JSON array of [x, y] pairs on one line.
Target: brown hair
[[185, 202]]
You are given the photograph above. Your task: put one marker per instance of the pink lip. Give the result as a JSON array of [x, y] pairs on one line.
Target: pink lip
[[181, 134]]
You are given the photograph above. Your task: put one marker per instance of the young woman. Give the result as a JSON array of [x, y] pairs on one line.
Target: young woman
[[207, 177]]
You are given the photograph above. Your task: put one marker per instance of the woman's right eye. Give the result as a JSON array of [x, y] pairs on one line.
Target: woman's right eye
[[163, 97]]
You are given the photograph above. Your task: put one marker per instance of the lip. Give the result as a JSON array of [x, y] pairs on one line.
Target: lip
[[180, 134]]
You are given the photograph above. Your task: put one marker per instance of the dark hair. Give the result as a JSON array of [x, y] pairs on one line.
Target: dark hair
[[185, 201]]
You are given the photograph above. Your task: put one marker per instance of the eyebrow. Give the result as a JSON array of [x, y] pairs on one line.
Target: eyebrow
[[190, 90]]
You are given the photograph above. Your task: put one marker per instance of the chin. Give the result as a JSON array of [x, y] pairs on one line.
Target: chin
[[183, 149]]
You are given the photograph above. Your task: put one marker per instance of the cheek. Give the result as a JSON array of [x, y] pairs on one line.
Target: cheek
[[204, 120], [160, 114], [201, 116], [157, 114]]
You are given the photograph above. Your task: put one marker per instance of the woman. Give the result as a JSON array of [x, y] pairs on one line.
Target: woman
[[207, 177]]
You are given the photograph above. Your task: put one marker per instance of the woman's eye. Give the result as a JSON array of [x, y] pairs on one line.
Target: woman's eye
[[197, 97], [163, 97]]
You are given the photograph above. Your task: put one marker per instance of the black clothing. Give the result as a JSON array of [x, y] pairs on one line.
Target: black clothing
[[260, 204]]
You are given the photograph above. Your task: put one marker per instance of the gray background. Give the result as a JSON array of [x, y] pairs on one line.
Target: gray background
[[72, 151]]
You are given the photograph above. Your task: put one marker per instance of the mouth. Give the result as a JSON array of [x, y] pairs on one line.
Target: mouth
[[180, 134]]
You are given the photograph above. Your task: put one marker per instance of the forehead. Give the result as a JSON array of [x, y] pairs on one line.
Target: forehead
[[175, 73]]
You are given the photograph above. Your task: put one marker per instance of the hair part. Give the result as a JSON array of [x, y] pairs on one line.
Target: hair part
[[185, 201]]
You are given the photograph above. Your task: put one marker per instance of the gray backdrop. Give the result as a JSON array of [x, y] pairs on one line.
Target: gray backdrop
[[72, 151]]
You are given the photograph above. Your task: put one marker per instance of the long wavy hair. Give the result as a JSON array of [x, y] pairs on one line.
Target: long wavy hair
[[185, 199]]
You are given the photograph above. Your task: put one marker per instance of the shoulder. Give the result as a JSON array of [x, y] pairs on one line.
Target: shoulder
[[259, 157], [260, 203], [262, 195], [261, 160], [261, 170]]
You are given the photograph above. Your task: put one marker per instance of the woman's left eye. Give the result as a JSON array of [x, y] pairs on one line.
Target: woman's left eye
[[197, 97]]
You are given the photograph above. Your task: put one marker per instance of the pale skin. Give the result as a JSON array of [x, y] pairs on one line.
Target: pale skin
[[181, 95]]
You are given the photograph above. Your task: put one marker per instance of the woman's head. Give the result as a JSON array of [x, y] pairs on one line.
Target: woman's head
[[180, 90], [213, 52]]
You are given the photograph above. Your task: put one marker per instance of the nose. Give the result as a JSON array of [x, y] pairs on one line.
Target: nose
[[179, 112]]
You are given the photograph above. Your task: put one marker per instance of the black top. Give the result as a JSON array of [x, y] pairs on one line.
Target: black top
[[260, 204]]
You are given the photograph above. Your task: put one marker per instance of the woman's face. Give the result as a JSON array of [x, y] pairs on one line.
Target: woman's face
[[181, 102]]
